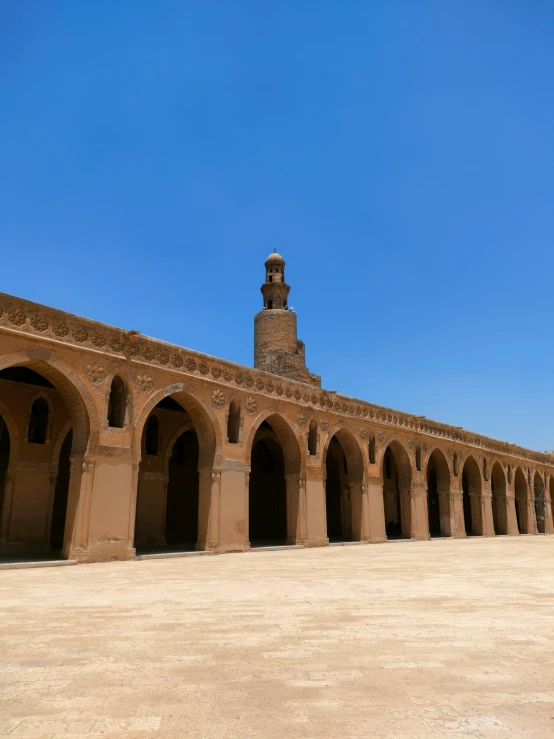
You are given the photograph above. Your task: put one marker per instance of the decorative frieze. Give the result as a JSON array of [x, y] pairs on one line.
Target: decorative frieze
[[29, 318]]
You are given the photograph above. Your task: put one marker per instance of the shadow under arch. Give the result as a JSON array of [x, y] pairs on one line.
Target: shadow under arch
[[521, 492], [276, 512], [203, 418], [24, 535], [438, 489], [173, 505], [539, 499], [396, 470], [71, 387], [499, 500], [343, 473], [471, 497]]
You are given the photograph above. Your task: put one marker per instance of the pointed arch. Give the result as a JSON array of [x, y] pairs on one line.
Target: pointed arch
[[71, 387], [203, 418], [344, 473], [293, 447], [438, 489], [396, 473], [521, 491], [472, 488], [539, 499], [276, 459], [499, 499]]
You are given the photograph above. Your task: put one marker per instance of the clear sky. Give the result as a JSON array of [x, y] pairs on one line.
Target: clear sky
[[400, 155]]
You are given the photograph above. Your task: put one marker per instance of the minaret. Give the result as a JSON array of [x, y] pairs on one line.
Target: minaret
[[276, 347]]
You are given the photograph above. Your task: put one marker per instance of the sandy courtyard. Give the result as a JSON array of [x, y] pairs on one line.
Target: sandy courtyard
[[412, 639]]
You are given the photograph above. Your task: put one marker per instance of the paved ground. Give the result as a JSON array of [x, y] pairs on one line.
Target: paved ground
[[410, 639]]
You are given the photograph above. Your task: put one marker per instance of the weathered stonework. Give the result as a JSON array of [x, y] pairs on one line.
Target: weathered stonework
[[331, 466]]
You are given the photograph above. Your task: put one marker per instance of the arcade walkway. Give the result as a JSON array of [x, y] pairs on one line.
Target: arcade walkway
[[451, 638]]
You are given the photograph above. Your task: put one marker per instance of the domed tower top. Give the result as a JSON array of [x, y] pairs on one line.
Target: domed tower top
[[275, 290], [274, 268]]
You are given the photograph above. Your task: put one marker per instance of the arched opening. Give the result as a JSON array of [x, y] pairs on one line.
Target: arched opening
[[471, 495], [61, 492], [233, 423], [312, 439], [343, 478], [397, 484], [267, 490], [522, 512], [152, 440], [37, 428], [337, 494], [499, 500], [539, 497], [371, 449], [273, 490], [438, 488], [169, 484], [117, 404], [181, 516], [34, 503]]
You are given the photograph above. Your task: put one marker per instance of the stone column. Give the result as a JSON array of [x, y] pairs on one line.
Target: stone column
[[293, 507], [301, 536], [232, 492], [511, 516], [247, 511], [364, 532], [346, 510], [208, 509], [531, 515], [76, 535], [487, 521], [376, 510], [445, 514], [131, 549], [5, 512], [457, 523], [418, 512], [101, 506], [316, 510]]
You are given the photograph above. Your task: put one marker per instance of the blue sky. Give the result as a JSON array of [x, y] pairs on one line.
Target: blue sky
[[400, 155]]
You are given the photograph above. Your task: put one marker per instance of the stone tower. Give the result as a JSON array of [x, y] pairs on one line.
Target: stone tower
[[276, 347]]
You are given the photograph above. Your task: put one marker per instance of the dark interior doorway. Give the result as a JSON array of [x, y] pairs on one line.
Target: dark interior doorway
[[181, 516], [335, 506], [59, 508], [267, 490], [433, 502]]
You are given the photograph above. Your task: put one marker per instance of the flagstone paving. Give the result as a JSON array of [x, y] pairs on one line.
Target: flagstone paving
[[450, 638]]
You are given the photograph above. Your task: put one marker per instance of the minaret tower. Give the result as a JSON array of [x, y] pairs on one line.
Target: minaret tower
[[276, 347]]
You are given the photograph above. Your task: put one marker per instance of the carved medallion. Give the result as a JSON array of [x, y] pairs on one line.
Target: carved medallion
[[144, 383], [216, 371], [176, 361], [95, 373], [60, 329], [203, 368], [17, 317], [301, 419], [97, 339], [218, 399], [39, 323], [162, 356], [190, 364], [80, 334], [363, 432], [251, 405], [324, 424]]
